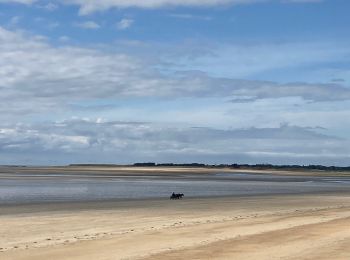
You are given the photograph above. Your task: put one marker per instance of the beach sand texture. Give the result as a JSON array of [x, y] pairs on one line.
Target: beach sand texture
[[271, 227]]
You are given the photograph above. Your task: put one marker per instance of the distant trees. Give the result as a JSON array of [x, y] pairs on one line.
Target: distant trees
[[247, 166], [148, 164]]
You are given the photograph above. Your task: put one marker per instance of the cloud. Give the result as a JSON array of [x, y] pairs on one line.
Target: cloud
[[90, 6], [253, 59], [36, 77], [88, 25], [39, 79], [124, 24], [27, 2], [64, 39], [132, 141], [191, 16], [49, 7]]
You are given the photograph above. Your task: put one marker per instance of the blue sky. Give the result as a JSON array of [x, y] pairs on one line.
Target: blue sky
[[214, 81]]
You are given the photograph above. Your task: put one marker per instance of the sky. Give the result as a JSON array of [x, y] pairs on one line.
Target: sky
[[207, 81]]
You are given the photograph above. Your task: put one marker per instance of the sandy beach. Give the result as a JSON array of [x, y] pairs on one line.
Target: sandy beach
[[8, 171], [269, 227]]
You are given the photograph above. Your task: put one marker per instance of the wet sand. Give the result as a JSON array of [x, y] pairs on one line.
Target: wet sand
[[20, 185], [270, 227]]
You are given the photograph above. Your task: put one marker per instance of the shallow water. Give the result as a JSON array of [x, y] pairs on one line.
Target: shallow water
[[92, 187]]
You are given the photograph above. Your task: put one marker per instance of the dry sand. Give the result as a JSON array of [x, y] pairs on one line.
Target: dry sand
[[272, 227], [6, 172]]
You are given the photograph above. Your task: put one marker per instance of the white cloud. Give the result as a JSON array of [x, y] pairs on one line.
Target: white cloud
[[90, 6], [64, 39], [49, 7], [192, 16], [124, 24], [39, 79], [88, 25], [249, 60], [19, 1], [36, 77], [132, 141]]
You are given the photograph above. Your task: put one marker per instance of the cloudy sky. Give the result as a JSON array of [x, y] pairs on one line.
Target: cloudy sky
[[213, 81]]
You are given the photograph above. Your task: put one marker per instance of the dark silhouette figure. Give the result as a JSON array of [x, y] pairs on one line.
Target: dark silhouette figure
[[176, 196]]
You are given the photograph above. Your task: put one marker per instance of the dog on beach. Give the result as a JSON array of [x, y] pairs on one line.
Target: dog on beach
[[176, 196]]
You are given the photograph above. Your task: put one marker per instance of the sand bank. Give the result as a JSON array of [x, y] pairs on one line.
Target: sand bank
[[6, 172], [272, 227]]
